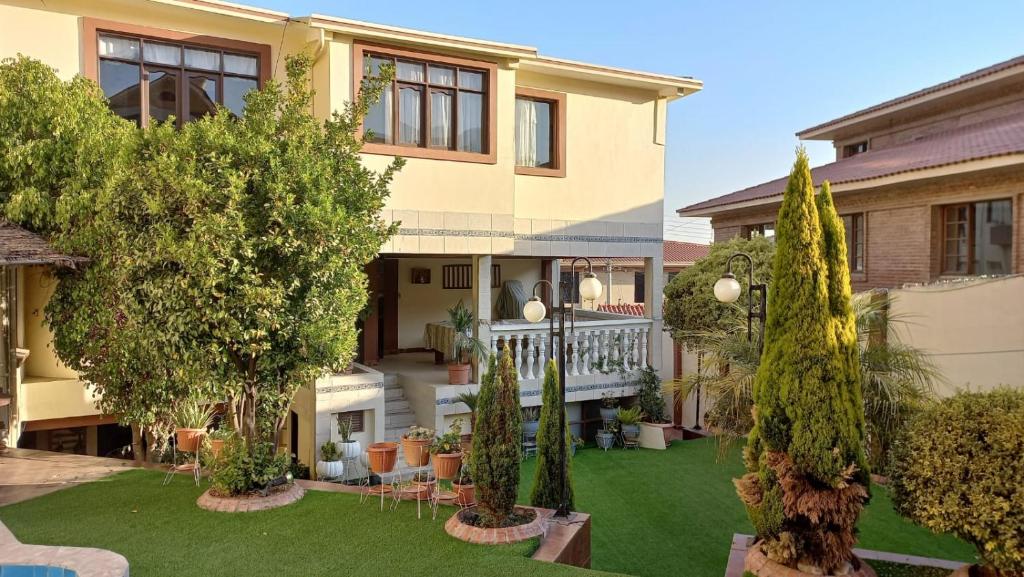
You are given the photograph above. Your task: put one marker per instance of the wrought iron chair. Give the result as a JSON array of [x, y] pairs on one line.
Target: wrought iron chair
[[529, 444]]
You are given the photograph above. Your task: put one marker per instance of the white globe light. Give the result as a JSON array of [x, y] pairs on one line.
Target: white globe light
[[534, 310], [727, 289], [590, 287]]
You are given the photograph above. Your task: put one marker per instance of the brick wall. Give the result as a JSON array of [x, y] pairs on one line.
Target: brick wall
[[903, 242]]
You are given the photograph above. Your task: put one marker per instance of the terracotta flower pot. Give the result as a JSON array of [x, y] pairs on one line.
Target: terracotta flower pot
[[216, 446], [417, 451], [383, 457], [759, 564], [465, 495], [188, 439], [446, 466], [458, 374]]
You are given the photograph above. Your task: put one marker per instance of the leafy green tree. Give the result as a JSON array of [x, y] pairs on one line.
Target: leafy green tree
[[547, 480], [691, 309], [805, 453], [497, 442], [68, 171]]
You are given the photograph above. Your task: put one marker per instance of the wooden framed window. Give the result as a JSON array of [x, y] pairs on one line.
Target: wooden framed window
[[855, 149], [766, 230], [977, 238], [854, 224], [149, 74], [436, 106], [495, 276], [540, 132], [356, 418], [569, 283]]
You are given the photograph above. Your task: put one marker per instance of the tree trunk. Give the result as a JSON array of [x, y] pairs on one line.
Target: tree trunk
[[138, 445]]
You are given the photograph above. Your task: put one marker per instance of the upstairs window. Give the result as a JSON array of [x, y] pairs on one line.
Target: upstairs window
[[854, 224], [977, 238], [540, 132], [766, 230], [638, 287], [435, 107], [147, 79], [855, 149]]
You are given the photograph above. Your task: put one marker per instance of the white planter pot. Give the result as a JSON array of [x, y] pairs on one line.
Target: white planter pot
[[329, 469], [349, 450]]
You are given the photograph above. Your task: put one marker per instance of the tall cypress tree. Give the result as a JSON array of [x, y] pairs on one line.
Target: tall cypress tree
[[497, 443], [805, 453], [547, 481]]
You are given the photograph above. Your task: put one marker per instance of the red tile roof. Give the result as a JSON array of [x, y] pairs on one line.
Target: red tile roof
[[996, 137], [631, 309], [977, 74], [676, 253]]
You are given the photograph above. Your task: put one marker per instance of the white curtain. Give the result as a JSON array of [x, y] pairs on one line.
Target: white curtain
[[203, 59], [471, 113], [526, 133], [162, 53], [409, 114], [237, 64], [119, 47], [440, 119]]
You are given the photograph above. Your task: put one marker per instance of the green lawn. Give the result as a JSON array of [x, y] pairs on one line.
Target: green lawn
[[162, 532], [660, 513], [655, 513]]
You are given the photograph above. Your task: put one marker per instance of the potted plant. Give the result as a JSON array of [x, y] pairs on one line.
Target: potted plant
[[629, 422], [348, 447], [217, 438], [447, 452], [423, 484], [605, 438], [465, 348], [577, 443], [191, 420], [383, 456], [609, 406], [531, 420], [470, 399], [655, 429], [330, 465], [416, 445], [465, 492]]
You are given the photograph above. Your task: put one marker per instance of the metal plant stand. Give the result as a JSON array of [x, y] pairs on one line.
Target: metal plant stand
[[195, 466]]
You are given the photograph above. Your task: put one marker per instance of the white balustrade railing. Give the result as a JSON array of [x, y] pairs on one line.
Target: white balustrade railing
[[602, 343]]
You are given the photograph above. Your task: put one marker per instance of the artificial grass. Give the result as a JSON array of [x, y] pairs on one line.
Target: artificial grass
[[654, 513], [162, 532], [674, 512]]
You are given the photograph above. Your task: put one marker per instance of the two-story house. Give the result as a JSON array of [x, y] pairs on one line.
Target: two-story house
[[516, 161], [929, 184]]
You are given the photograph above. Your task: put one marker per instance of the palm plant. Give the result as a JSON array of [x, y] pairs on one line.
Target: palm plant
[[464, 346], [470, 400], [897, 378]]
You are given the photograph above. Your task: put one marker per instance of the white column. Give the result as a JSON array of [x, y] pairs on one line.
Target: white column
[[654, 283], [482, 306]]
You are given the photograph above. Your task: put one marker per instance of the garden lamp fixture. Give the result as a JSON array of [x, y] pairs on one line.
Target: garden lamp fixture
[[534, 311], [728, 289]]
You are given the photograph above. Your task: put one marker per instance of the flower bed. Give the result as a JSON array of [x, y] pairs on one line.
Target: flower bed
[[460, 526], [279, 497]]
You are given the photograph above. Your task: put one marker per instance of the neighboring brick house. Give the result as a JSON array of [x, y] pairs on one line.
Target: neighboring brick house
[[930, 184]]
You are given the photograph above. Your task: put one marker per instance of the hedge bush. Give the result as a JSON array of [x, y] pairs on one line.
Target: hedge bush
[[242, 469], [959, 468]]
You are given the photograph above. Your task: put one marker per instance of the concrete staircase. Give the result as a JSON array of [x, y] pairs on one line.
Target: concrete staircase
[[398, 415]]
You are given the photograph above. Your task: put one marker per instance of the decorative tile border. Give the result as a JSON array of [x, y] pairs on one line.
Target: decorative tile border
[[540, 237], [352, 387]]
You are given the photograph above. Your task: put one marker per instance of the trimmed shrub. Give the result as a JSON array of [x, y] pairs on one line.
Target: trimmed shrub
[[805, 453], [497, 443], [958, 468], [547, 482], [650, 398], [241, 469]]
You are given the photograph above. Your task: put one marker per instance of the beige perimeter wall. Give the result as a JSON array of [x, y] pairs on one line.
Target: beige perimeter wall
[[974, 330]]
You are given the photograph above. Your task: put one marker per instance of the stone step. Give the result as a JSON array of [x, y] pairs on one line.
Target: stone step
[[399, 420], [397, 406], [391, 381], [394, 394]]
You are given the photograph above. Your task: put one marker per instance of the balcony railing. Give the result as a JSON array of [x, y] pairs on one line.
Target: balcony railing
[[601, 344]]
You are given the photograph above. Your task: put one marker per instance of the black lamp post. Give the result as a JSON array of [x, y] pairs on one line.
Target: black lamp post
[[728, 289], [590, 289]]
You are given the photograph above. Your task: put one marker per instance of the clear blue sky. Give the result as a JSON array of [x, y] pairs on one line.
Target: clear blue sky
[[769, 68]]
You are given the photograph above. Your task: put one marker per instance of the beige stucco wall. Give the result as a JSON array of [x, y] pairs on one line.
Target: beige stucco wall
[[974, 331], [419, 304]]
